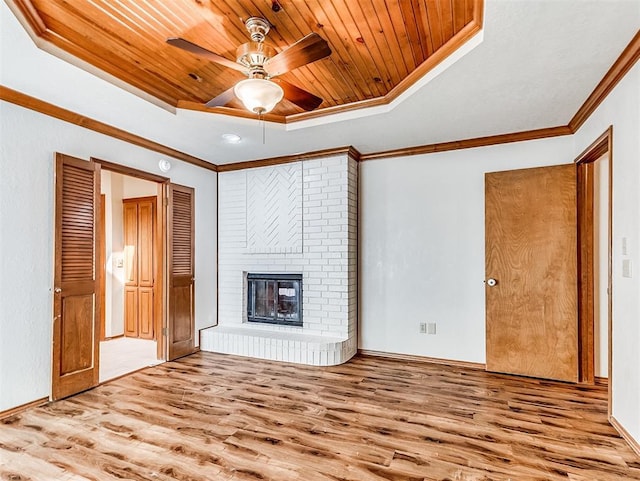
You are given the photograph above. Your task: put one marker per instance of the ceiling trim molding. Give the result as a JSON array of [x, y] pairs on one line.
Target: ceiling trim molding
[[245, 114], [28, 12], [40, 106], [618, 70], [59, 46], [622, 65], [287, 159], [597, 149], [471, 143], [457, 41]]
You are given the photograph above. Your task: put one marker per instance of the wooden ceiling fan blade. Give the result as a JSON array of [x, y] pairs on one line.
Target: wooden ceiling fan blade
[[306, 50], [190, 47], [303, 99], [223, 99]]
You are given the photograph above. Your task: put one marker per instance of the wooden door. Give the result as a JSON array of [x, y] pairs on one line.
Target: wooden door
[[531, 253], [139, 227], [130, 234], [76, 304], [146, 256], [181, 320]]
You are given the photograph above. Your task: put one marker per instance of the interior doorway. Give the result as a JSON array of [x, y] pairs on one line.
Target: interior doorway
[[595, 193], [82, 260], [132, 262]]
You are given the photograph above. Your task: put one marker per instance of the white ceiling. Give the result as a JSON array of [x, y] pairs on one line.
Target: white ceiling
[[536, 64]]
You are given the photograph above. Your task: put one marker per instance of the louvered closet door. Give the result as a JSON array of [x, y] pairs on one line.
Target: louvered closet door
[[76, 307], [181, 321]]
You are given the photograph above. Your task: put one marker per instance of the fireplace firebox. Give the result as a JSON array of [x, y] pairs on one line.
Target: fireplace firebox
[[274, 299]]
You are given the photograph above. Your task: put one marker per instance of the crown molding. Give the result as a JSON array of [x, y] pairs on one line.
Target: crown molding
[[618, 70], [457, 41], [37, 105], [471, 143], [243, 114], [287, 159], [49, 41]]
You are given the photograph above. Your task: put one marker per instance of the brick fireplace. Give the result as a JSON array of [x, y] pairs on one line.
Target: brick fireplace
[[298, 220]]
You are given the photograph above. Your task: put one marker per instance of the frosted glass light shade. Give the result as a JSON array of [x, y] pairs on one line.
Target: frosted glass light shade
[[258, 95]]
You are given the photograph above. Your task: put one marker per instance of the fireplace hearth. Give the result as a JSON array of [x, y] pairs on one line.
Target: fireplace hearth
[[274, 299]]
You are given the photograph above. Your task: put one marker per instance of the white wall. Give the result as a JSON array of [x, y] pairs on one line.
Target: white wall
[[622, 110], [27, 69], [422, 246], [28, 141], [133, 187]]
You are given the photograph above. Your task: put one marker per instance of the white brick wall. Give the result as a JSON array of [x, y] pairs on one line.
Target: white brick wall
[[293, 218]]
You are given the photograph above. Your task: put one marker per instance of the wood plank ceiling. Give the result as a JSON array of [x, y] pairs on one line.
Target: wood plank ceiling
[[380, 47]]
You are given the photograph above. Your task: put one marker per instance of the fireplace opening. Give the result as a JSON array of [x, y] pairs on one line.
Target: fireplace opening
[[275, 299]]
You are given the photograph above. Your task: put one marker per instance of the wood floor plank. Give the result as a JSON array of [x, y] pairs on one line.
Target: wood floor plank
[[220, 417]]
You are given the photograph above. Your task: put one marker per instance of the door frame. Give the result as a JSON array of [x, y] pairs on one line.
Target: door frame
[[102, 260], [602, 146], [160, 246]]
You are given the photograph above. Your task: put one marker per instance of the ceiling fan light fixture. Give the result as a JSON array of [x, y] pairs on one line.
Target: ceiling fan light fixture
[[258, 95]]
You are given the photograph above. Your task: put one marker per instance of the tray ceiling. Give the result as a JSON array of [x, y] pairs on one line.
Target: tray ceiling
[[379, 48]]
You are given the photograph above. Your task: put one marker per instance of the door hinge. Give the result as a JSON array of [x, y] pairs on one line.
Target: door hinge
[[165, 201], [164, 331]]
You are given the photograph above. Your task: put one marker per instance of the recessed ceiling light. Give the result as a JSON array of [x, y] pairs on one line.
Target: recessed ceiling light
[[231, 138]]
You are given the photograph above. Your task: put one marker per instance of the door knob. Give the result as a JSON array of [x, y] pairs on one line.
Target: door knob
[[57, 290], [491, 282]]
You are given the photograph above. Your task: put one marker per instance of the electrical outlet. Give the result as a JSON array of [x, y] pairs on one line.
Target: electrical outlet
[[431, 328], [423, 328]]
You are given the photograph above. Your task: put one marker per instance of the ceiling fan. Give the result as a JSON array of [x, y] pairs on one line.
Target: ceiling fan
[[258, 60]]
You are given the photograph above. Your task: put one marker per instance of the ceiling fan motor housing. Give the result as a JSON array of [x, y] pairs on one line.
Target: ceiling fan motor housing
[[254, 55], [260, 62], [258, 28]]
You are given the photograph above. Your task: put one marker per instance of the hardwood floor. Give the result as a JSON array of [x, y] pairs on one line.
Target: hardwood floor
[[219, 417]]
